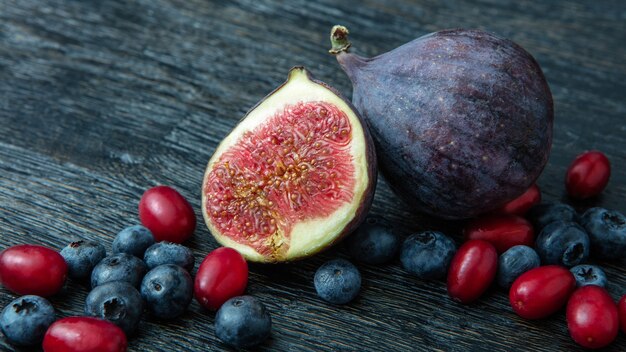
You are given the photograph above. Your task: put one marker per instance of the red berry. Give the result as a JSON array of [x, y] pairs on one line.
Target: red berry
[[520, 205], [621, 310], [32, 270], [592, 317], [223, 274], [84, 334], [502, 231], [472, 270], [587, 175], [542, 291], [167, 214]]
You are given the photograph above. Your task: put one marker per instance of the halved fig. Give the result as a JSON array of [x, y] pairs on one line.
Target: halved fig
[[293, 177]]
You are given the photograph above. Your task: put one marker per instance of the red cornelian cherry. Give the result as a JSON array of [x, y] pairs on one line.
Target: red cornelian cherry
[[520, 205], [167, 214], [542, 291], [592, 317], [502, 231], [588, 175], [472, 270], [32, 270], [621, 310], [222, 275], [84, 334]]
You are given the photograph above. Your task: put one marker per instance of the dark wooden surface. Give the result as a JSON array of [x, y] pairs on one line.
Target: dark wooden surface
[[100, 100]]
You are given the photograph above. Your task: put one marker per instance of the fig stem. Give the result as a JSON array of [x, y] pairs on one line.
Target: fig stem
[[339, 40]]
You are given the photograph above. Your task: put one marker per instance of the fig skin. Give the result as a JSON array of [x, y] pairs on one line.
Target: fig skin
[[461, 119], [364, 204]]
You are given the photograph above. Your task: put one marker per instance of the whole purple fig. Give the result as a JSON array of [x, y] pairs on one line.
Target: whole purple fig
[[461, 119]]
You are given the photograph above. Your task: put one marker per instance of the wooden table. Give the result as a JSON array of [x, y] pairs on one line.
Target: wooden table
[[100, 100]]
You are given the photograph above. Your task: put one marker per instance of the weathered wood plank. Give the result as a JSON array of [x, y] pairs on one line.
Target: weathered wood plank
[[100, 100]]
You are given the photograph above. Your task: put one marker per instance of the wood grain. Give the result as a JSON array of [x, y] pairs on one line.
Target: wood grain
[[100, 100]]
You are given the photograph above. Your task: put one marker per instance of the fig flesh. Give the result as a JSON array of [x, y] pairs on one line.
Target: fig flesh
[[461, 119], [293, 177]]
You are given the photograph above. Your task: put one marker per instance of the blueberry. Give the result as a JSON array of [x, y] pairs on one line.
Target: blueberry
[[542, 214], [243, 322], [133, 240], [117, 302], [586, 274], [337, 281], [25, 320], [374, 242], [607, 232], [167, 290], [81, 257], [427, 255], [169, 253], [118, 267], [514, 262], [563, 243]]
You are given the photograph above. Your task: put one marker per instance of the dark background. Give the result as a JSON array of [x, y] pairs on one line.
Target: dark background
[[100, 100]]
